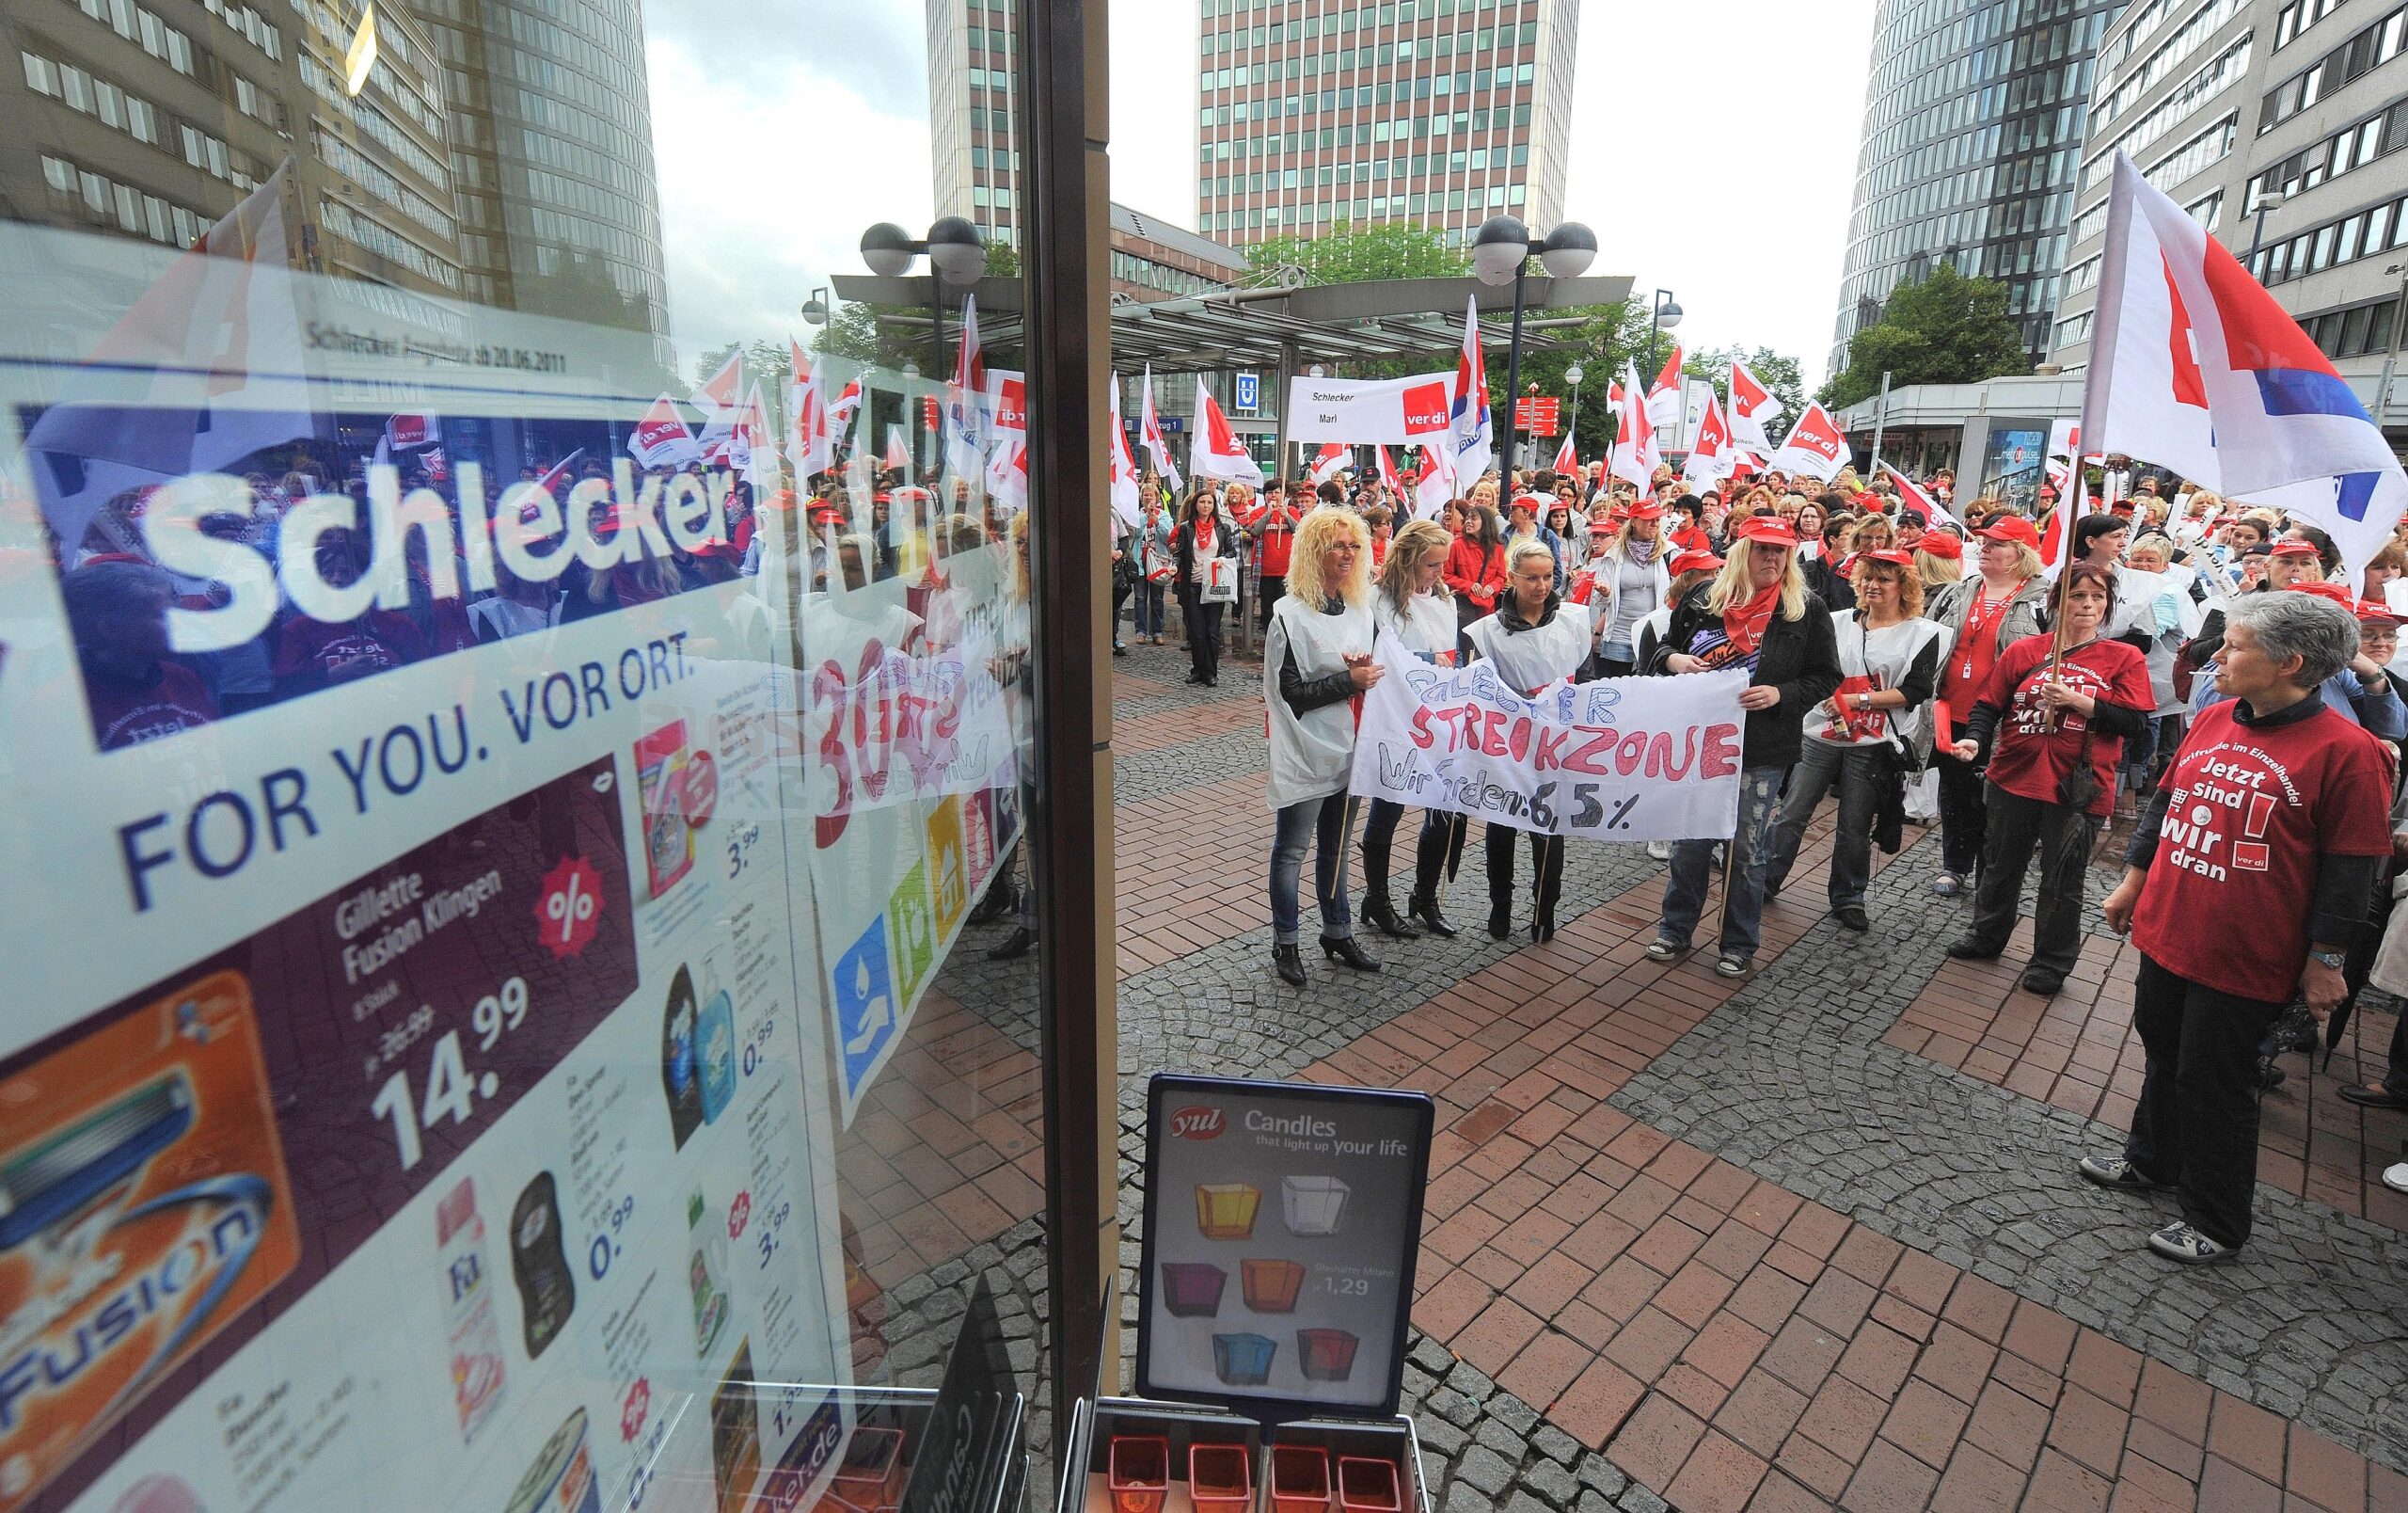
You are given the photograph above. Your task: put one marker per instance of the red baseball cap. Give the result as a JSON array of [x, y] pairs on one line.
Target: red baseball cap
[[1602, 528], [1646, 509], [1695, 562], [1892, 555], [2378, 611], [2292, 546], [1770, 529], [2339, 592], [1942, 544], [2013, 527]]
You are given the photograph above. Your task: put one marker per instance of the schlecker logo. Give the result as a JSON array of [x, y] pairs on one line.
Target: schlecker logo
[[1425, 409], [530, 531], [1198, 1123]]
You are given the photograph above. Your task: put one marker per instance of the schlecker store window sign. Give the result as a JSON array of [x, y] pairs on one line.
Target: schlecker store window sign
[[1282, 1223], [421, 1040]]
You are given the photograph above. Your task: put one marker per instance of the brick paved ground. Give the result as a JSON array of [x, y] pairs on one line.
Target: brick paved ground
[[1810, 1239]]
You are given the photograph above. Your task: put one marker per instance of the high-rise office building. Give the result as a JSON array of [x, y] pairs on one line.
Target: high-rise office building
[[1323, 115], [2281, 126], [1974, 115], [973, 127]]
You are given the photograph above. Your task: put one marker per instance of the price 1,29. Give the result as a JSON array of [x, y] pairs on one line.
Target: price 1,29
[[451, 1091]]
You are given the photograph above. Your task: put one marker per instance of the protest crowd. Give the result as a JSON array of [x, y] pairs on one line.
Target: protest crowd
[[2133, 652]]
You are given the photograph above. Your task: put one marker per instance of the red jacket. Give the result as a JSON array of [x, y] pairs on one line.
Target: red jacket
[[1472, 578], [1275, 537]]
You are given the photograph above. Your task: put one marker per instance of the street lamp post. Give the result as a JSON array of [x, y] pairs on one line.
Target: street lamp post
[[1665, 315], [955, 249], [1501, 251], [2271, 200], [1573, 376], [2391, 357], [817, 309]]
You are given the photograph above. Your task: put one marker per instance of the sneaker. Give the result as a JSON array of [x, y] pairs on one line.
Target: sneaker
[[2045, 983], [1732, 966], [1661, 851], [1660, 949], [1947, 885], [2117, 1174], [2179, 1241], [2396, 1177], [1852, 916]]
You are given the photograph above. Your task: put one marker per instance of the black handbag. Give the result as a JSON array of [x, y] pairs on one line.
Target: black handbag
[[2079, 787]]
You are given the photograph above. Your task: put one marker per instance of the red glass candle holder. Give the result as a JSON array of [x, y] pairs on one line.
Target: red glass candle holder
[[1272, 1286], [1369, 1484], [1299, 1478], [1140, 1472], [1220, 1479], [871, 1476], [1325, 1355]]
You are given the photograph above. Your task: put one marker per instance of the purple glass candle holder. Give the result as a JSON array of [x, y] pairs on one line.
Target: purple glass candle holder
[[1192, 1289]]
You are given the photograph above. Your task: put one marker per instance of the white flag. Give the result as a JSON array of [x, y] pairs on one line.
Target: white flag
[[1150, 436]]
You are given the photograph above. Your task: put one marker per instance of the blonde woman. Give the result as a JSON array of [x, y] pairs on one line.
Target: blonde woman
[[1940, 559], [1864, 738], [1755, 615], [1416, 609], [1316, 660], [1632, 577]]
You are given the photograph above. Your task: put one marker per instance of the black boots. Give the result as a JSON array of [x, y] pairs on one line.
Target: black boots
[[1012, 947], [1501, 918], [1423, 908], [1543, 924], [1342, 948], [1289, 965], [1378, 909]]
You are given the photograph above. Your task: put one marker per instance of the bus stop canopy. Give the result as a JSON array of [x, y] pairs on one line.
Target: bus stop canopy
[[1275, 327]]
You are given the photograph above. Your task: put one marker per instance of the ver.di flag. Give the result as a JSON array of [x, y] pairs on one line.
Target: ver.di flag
[[1664, 394], [1150, 436], [1126, 507], [1753, 409], [1621, 759], [1636, 456], [2194, 366], [1218, 452], [1815, 446]]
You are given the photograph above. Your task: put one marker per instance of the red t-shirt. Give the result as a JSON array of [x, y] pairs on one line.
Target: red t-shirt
[[2027, 761], [1275, 537], [2226, 901], [127, 714]]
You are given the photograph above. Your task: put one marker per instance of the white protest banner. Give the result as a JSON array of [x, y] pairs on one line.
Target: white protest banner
[[1397, 410], [1621, 759]]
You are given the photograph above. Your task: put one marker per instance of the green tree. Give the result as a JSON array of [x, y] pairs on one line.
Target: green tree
[[1391, 251], [765, 363], [1777, 373], [854, 331], [1946, 328]]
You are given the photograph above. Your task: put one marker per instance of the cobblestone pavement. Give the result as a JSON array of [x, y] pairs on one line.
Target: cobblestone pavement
[[1727, 1246]]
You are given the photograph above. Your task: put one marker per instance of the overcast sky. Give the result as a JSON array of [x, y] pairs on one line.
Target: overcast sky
[[1740, 112]]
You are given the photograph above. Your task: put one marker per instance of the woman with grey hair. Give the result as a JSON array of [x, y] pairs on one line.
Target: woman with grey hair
[[2245, 883]]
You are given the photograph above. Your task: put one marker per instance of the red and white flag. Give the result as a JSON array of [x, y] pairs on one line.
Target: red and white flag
[[1474, 431], [661, 439], [898, 450], [1389, 480], [717, 393], [847, 405], [965, 400], [1753, 409], [2194, 366], [1567, 462], [1636, 456], [1150, 436], [1664, 394], [1815, 446], [1436, 483], [810, 442], [1934, 512], [1217, 452], [2052, 539], [1712, 456], [1330, 461], [1125, 503]]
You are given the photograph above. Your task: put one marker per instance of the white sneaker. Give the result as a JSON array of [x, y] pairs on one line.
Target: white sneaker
[[2179, 1241], [1660, 850], [2396, 1177]]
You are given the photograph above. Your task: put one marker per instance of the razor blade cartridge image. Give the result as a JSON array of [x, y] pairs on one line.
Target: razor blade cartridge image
[[63, 1175]]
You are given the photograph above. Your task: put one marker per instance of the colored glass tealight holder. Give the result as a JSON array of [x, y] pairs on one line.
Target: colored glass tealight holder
[[1299, 1478], [1368, 1485], [1313, 1205], [1225, 1210], [1139, 1472], [1272, 1286], [1220, 1478], [1242, 1360], [1192, 1289], [871, 1476], [1325, 1355]]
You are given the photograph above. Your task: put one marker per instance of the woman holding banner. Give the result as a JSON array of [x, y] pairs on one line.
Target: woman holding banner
[[2052, 720], [1413, 607], [1202, 535], [1533, 638], [1755, 615], [1862, 738], [1316, 661]]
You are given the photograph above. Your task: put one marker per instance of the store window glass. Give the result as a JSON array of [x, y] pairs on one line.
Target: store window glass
[[516, 677]]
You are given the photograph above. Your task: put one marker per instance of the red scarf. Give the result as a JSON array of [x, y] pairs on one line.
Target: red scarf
[[1744, 621]]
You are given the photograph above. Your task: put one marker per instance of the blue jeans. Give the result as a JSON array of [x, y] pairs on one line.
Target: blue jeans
[[1149, 609], [1323, 822], [1743, 905]]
